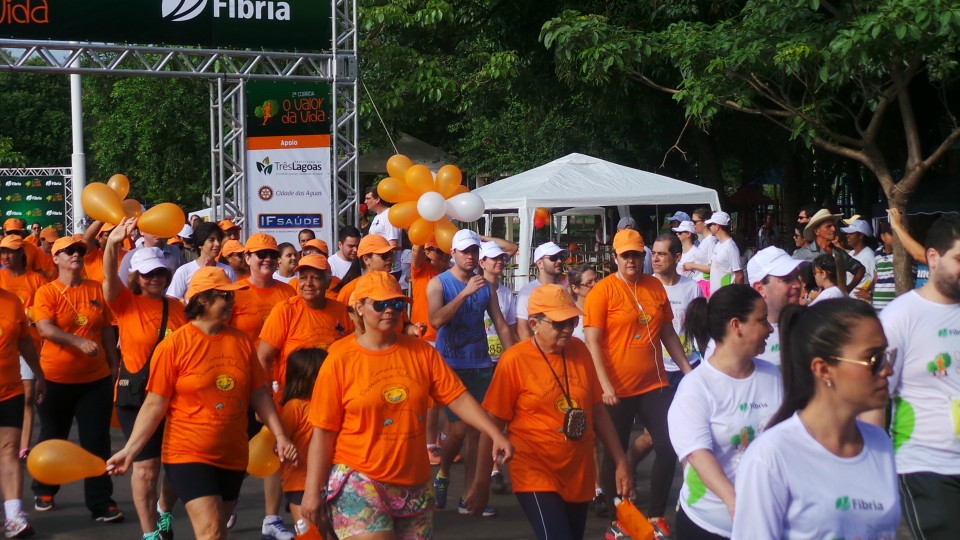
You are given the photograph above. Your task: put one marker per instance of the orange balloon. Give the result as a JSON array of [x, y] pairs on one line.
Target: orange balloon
[[403, 214], [460, 189], [164, 220], [444, 230], [56, 461], [448, 180], [395, 190], [420, 179], [120, 184], [102, 203], [420, 232], [132, 208], [397, 165], [263, 461], [633, 522]]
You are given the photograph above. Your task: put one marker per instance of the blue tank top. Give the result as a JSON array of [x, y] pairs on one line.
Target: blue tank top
[[462, 342]]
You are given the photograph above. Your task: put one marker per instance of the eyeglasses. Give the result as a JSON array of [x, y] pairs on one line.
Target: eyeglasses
[[381, 305], [73, 250], [587, 284], [265, 254], [385, 256], [555, 257], [35, 228], [875, 362], [155, 273], [559, 326]]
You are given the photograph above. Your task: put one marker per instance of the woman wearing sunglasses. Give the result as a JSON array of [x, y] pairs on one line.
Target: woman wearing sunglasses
[[545, 391], [818, 472], [367, 471], [79, 361], [202, 379], [139, 308]]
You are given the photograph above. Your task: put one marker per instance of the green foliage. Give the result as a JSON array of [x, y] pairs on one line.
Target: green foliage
[[8, 156], [35, 109]]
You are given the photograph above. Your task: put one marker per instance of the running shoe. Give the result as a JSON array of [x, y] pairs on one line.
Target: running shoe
[[614, 532], [274, 529], [433, 452], [165, 526], [440, 487], [155, 535], [44, 503], [660, 528], [111, 514], [18, 527], [24, 452], [499, 485], [599, 505], [488, 511], [232, 520]]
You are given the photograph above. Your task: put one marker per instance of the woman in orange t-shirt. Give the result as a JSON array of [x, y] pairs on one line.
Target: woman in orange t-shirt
[[138, 309], [368, 411], [79, 360], [539, 387], [202, 379]]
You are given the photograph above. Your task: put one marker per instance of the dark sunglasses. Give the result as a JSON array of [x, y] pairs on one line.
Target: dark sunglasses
[[875, 362], [385, 256], [73, 250], [559, 326], [556, 257], [155, 273], [381, 305], [265, 254]]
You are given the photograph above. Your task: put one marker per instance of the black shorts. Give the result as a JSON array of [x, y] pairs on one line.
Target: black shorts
[[293, 497], [127, 416], [194, 480], [11, 412]]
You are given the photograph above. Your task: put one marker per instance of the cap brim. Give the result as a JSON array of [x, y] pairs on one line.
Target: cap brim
[[387, 296], [235, 286], [849, 230], [634, 246], [562, 314], [148, 267], [784, 267], [303, 266]]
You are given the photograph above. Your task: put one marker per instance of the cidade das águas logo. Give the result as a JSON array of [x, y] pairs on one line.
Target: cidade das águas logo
[[185, 10]]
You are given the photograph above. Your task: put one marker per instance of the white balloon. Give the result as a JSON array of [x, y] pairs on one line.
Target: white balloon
[[465, 207], [431, 206]]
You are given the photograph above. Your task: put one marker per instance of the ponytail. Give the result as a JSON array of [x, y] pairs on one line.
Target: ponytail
[[695, 324]]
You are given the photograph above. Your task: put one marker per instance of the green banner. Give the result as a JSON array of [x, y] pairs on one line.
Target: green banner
[[37, 199], [283, 109], [259, 24]]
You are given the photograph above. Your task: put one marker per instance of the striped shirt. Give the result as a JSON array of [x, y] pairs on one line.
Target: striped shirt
[[886, 288]]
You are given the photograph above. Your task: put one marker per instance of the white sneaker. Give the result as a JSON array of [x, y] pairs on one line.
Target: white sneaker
[[18, 527], [274, 529], [232, 520]]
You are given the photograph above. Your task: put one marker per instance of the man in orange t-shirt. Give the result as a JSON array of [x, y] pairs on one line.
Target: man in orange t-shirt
[[45, 257], [426, 262]]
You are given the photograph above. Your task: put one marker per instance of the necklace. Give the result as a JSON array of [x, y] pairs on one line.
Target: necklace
[[79, 319], [641, 314]]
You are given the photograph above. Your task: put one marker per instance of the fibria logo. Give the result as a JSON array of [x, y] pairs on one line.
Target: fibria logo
[[24, 12], [185, 10], [182, 10]]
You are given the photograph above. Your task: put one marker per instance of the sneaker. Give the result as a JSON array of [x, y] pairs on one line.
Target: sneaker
[[44, 503], [24, 452], [274, 529], [111, 515], [232, 520], [614, 532], [165, 526], [499, 485], [488, 511], [155, 535], [660, 528], [433, 452], [18, 527], [599, 505], [440, 486]]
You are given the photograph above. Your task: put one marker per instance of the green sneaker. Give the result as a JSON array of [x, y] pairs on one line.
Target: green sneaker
[[165, 526]]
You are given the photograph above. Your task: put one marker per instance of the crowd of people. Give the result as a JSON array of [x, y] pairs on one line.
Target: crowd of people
[[800, 397]]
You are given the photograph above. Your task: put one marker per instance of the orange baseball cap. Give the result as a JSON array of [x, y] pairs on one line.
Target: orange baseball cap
[[315, 261], [209, 278], [107, 227], [378, 285], [552, 301], [49, 234], [432, 243], [373, 243], [11, 241], [627, 240], [176, 240], [260, 242], [12, 224], [226, 225], [316, 243], [230, 247], [65, 242]]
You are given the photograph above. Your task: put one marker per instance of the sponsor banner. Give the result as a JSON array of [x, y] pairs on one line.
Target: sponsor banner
[[289, 176], [37, 199], [260, 24]]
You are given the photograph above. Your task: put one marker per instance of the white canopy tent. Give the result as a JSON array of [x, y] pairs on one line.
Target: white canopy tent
[[579, 180]]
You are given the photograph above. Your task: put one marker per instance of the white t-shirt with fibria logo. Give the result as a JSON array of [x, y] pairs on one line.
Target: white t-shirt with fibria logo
[[771, 351], [680, 296], [925, 385], [716, 412], [790, 486]]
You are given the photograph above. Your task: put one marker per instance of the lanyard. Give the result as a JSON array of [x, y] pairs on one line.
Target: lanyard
[[563, 356]]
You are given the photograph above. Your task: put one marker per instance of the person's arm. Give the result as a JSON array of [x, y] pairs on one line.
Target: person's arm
[[151, 413], [470, 412], [705, 268], [603, 426], [738, 277], [440, 313], [855, 267], [109, 339], [418, 256], [671, 342], [709, 470], [507, 246], [111, 259], [319, 460], [29, 353], [49, 330], [478, 494], [267, 353], [263, 405], [496, 315], [90, 235], [594, 337]]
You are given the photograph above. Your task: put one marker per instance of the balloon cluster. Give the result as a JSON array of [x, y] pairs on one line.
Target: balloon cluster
[[107, 203], [423, 204], [540, 217]]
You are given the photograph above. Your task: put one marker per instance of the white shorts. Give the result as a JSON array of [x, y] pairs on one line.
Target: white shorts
[[25, 372]]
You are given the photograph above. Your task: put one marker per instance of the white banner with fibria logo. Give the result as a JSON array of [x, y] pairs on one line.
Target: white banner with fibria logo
[[288, 185]]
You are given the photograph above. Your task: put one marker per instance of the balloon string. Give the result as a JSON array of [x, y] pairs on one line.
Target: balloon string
[[376, 110]]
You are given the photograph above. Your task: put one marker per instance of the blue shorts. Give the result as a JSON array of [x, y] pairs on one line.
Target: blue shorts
[[477, 380]]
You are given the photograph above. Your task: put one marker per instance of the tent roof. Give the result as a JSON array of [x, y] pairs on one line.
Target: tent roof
[[375, 161], [579, 180]]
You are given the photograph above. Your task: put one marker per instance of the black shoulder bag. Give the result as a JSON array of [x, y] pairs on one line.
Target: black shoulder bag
[[575, 419], [132, 387]]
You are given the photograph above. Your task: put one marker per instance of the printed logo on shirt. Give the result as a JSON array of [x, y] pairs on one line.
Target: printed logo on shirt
[[395, 393], [948, 332], [744, 407], [775, 348], [743, 439], [561, 404], [225, 382], [845, 504], [938, 367]]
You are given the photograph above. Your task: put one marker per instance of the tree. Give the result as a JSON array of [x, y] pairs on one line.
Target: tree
[[835, 75], [8, 156], [35, 109]]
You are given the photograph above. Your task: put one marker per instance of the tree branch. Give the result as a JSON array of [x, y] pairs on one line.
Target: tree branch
[[907, 116], [676, 145]]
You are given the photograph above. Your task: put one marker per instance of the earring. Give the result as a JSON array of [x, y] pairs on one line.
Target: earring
[[829, 383]]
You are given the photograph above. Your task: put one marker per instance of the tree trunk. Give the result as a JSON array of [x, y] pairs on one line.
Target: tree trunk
[[902, 261], [709, 163]]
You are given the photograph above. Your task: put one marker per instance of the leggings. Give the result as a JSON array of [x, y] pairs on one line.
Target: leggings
[[686, 529], [652, 409], [553, 518]]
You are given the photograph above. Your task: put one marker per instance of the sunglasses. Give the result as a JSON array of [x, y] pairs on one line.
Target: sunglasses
[[385, 256], [73, 250], [555, 257], [875, 362], [154, 274], [381, 305], [265, 254], [559, 326], [698, 221]]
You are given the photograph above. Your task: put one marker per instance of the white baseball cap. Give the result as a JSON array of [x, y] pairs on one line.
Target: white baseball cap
[[464, 239], [685, 226], [146, 260], [489, 250], [679, 216], [626, 222], [719, 218], [858, 226], [186, 231], [771, 261], [547, 249]]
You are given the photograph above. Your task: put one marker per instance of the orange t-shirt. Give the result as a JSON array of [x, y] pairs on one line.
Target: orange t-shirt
[[80, 311], [209, 380], [631, 337], [139, 319], [12, 325], [25, 287], [93, 265], [253, 306], [377, 402], [292, 325], [525, 394], [300, 431], [32, 240], [33, 256], [419, 310], [344, 295], [47, 268]]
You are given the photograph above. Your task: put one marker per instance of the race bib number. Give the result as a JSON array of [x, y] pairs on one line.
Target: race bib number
[[955, 414], [494, 347]]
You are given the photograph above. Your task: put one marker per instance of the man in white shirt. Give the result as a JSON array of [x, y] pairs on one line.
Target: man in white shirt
[[680, 291], [549, 259], [381, 222], [923, 327], [857, 232], [774, 274], [725, 262], [348, 239]]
